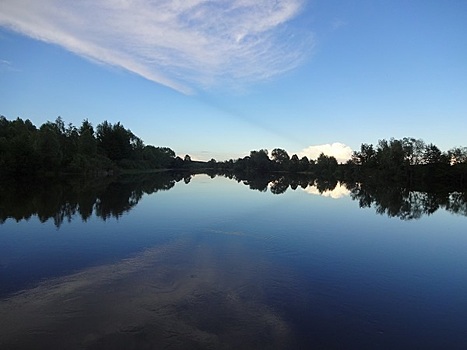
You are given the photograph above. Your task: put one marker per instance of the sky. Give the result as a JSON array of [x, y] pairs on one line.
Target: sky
[[217, 79]]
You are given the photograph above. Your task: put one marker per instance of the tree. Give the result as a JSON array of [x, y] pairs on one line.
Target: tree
[[17, 154], [48, 148], [326, 165], [281, 158], [294, 163], [177, 163], [304, 164], [158, 157], [413, 150], [457, 155], [366, 157], [433, 155], [115, 141], [87, 144], [259, 161]]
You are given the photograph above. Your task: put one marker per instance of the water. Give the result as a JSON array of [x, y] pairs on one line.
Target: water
[[209, 263]]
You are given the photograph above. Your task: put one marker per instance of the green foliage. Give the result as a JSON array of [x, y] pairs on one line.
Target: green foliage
[[408, 161], [17, 154], [57, 148]]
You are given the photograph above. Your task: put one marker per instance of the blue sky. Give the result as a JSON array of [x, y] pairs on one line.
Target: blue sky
[[216, 79]]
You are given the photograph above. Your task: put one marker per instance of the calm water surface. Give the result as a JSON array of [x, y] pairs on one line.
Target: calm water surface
[[212, 264]]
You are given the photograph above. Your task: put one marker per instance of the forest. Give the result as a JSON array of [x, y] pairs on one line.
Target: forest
[[56, 148]]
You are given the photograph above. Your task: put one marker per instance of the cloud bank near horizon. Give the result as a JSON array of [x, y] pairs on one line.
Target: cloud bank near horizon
[[338, 150], [185, 45]]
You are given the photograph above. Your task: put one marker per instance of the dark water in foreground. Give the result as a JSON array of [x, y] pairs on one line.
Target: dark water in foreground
[[213, 265]]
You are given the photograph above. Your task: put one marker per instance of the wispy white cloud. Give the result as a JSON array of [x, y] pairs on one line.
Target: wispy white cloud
[[338, 150], [6, 65], [183, 44], [338, 23]]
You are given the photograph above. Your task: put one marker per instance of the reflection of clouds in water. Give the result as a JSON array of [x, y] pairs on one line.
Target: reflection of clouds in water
[[338, 192], [222, 232], [177, 295]]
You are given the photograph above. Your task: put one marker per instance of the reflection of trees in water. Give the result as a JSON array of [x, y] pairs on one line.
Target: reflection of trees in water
[[110, 198], [457, 203], [65, 199], [117, 199], [401, 202], [392, 200], [279, 183]]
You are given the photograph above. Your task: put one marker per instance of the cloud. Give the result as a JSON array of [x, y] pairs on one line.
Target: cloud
[[338, 23], [181, 44], [338, 150], [6, 65]]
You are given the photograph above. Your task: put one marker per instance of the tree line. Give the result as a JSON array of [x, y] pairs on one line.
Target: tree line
[[410, 161], [58, 148], [54, 147], [259, 162]]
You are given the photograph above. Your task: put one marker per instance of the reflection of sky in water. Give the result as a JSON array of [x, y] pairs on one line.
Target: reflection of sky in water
[[193, 291], [214, 261]]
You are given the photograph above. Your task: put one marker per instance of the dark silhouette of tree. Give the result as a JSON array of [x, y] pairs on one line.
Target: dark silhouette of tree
[[18, 156], [366, 157], [158, 157], [304, 164], [433, 155], [281, 158], [48, 147], [114, 141], [87, 143], [457, 155], [259, 161], [294, 164], [326, 166], [390, 156], [177, 163], [413, 150]]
